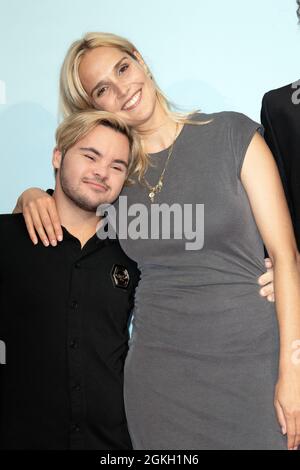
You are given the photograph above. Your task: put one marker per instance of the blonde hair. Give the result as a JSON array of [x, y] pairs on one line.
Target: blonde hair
[[76, 126], [74, 98]]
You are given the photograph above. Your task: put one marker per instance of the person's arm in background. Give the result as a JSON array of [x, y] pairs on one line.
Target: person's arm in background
[[41, 217], [271, 137], [260, 177]]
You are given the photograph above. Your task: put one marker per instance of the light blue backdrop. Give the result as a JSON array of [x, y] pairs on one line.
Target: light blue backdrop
[[223, 54]]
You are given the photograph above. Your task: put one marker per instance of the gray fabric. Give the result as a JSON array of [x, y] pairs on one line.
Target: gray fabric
[[203, 357]]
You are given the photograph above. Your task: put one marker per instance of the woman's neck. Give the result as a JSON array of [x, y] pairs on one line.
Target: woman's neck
[[159, 132]]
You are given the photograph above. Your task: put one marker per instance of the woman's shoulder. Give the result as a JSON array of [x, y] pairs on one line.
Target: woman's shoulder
[[227, 122], [220, 117]]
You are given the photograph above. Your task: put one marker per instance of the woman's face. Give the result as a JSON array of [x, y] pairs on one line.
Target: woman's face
[[117, 83]]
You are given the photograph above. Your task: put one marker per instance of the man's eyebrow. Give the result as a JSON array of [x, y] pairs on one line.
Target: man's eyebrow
[[101, 81], [99, 154], [91, 149], [122, 162]]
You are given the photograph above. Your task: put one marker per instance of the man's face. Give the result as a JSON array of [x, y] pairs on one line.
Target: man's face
[[94, 170]]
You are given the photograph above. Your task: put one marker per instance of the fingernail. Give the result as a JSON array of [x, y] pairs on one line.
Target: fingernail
[[60, 238], [53, 242], [46, 243], [35, 241]]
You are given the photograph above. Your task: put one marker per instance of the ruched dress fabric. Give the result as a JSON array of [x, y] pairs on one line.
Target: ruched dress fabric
[[203, 358]]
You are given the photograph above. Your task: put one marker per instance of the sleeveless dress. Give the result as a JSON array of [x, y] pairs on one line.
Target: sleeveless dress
[[203, 358]]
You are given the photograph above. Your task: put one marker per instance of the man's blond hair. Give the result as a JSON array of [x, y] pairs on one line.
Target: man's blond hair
[[76, 126]]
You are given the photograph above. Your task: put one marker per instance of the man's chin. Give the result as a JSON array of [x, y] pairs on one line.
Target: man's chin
[[87, 202], [90, 205]]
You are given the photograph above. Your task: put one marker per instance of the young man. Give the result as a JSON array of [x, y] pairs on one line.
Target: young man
[[64, 311]]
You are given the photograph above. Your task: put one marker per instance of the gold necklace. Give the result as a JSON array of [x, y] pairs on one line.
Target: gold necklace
[[157, 188]]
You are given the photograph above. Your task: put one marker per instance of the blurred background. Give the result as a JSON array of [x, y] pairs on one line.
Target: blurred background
[[215, 56]]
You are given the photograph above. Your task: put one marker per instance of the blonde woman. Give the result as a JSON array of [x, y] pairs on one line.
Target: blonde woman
[[209, 358]]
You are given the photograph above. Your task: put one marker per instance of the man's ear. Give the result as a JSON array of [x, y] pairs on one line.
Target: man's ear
[[56, 158]]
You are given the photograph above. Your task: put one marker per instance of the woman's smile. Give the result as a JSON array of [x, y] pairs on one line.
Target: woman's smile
[[133, 102]]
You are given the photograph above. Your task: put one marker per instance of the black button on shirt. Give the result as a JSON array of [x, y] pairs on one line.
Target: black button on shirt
[[64, 321]]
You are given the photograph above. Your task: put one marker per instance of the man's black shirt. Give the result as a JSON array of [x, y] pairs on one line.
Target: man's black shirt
[[64, 315]]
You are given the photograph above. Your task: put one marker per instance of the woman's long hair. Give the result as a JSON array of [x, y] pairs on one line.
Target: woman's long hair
[[73, 97]]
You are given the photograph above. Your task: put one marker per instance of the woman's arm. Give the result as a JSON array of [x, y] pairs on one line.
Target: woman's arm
[[41, 218], [261, 180], [40, 214]]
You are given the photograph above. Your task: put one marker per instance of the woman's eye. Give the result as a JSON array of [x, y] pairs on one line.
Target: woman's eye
[[90, 158], [124, 68], [100, 91]]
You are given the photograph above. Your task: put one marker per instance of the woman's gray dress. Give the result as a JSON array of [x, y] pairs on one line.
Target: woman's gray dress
[[203, 357]]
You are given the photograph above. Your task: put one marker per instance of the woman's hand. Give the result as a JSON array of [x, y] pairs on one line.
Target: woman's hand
[[41, 217], [266, 281], [287, 405]]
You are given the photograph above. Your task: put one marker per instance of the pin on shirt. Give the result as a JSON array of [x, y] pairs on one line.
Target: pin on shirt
[[120, 276]]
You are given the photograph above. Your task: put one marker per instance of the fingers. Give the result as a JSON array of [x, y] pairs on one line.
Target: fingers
[[292, 420], [288, 424], [297, 424], [42, 219], [268, 291], [30, 226], [266, 280], [268, 263], [297, 440], [37, 223], [287, 407], [55, 222], [291, 432], [280, 417], [47, 226]]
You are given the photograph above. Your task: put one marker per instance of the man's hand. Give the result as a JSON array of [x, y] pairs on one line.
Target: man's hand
[[266, 281]]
